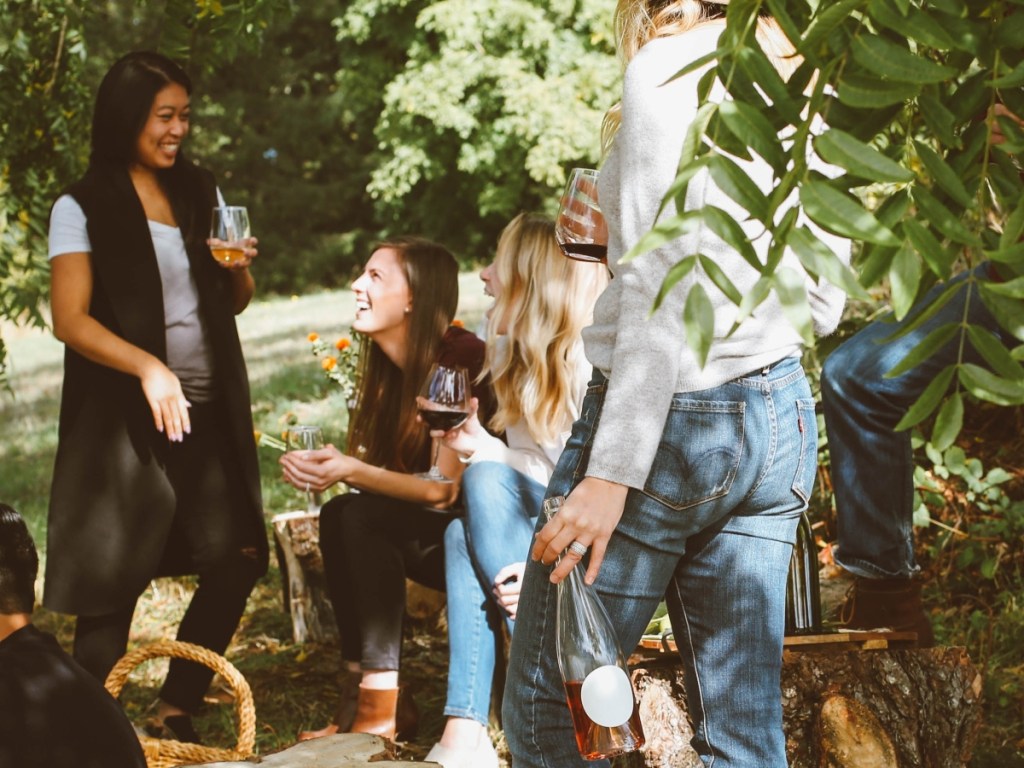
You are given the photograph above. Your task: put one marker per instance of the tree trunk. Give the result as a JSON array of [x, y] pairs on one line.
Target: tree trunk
[[884, 708], [297, 536]]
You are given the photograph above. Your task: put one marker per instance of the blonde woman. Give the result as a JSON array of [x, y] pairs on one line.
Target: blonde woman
[[682, 481], [535, 360]]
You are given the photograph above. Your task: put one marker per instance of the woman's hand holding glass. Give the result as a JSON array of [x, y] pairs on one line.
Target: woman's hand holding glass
[[231, 241], [465, 438]]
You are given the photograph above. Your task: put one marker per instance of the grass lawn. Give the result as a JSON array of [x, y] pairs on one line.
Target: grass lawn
[[293, 685]]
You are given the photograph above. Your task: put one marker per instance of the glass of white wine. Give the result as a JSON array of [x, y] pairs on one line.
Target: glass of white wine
[[304, 437], [228, 232]]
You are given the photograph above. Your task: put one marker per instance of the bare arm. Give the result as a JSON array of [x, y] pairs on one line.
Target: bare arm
[[71, 285], [323, 468]]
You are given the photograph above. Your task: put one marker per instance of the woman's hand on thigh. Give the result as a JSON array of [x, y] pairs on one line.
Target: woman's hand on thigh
[[587, 519]]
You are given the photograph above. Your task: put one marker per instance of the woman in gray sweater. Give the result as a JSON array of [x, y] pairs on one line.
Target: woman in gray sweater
[[683, 482]]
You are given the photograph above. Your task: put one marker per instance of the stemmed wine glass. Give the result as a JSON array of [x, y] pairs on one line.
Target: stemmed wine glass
[[580, 227], [228, 233], [444, 404], [307, 438]]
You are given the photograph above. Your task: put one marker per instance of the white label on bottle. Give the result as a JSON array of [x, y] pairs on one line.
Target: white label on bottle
[[607, 696]]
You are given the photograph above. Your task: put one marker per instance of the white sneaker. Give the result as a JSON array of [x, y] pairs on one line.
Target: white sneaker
[[483, 756]]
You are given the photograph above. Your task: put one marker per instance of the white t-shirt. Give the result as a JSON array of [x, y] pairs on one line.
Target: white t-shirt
[[188, 348]]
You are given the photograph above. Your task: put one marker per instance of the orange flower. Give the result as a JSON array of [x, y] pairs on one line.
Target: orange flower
[[313, 336], [343, 343], [458, 323], [329, 363]]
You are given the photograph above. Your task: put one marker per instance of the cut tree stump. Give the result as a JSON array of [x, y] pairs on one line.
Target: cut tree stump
[[297, 539], [343, 750], [861, 707]]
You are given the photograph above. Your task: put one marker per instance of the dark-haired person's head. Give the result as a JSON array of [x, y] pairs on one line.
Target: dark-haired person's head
[[19, 563], [124, 102], [433, 276]]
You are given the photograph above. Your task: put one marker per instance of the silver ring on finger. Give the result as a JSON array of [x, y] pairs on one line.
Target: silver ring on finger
[[578, 549]]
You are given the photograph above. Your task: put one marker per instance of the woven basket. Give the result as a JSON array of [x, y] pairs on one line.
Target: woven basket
[[166, 753]]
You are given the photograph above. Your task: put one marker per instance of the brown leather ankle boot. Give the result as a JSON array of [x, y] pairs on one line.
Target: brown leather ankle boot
[[891, 603], [382, 711], [345, 714]]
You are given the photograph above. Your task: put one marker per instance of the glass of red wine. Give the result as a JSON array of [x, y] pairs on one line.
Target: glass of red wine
[[444, 404], [580, 228]]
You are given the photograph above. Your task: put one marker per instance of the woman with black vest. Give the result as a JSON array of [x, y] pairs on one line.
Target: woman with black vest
[[156, 470]]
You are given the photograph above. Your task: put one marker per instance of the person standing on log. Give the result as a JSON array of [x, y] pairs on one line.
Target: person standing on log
[[536, 364], [391, 524], [872, 463], [156, 470], [682, 481]]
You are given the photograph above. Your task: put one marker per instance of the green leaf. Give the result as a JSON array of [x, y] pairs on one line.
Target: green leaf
[[949, 422], [831, 17], [789, 286], [939, 260], [995, 354], [842, 215], [662, 233], [926, 348], [870, 93], [699, 323], [721, 280], [751, 125], [944, 176], [678, 271], [737, 184], [818, 259], [694, 65], [928, 401], [897, 63], [840, 148], [760, 291], [914, 25], [942, 219], [677, 191], [766, 80], [727, 228], [988, 386], [927, 312], [1012, 79], [904, 280]]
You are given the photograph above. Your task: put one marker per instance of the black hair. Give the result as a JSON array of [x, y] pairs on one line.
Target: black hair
[[124, 100], [19, 563]]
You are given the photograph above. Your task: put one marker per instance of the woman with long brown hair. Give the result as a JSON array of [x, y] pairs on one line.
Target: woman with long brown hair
[[391, 524]]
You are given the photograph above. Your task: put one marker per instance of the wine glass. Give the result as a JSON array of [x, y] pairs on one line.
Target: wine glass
[[304, 437], [580, 227], [444, 404], [228, 232]]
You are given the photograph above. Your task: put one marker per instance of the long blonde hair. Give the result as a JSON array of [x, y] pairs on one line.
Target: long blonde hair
[[384, 430], [544, 303], [639, 21]]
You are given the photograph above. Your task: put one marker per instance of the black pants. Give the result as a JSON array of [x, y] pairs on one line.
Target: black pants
[[211, 536], [370, 545]]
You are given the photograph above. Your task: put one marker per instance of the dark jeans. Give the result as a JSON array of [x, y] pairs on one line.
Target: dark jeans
[[370, 545], [208, 519]]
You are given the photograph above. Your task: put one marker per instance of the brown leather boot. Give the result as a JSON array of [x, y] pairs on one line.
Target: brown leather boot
[[384, 712], [891, 603], [345, 714]]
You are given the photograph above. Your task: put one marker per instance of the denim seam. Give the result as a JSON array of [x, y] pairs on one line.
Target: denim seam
[[696, 675]]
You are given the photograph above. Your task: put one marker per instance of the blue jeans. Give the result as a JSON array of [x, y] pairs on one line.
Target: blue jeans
[[872, 465], [501, 507], [712, 533]]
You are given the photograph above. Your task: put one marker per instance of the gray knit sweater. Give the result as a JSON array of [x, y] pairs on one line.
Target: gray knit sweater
[[644, 356]]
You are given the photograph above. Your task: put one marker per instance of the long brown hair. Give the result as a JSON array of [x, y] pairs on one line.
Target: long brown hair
[[384, 431]]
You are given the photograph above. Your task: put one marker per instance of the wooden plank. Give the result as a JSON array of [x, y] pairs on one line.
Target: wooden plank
[[836, 641]]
